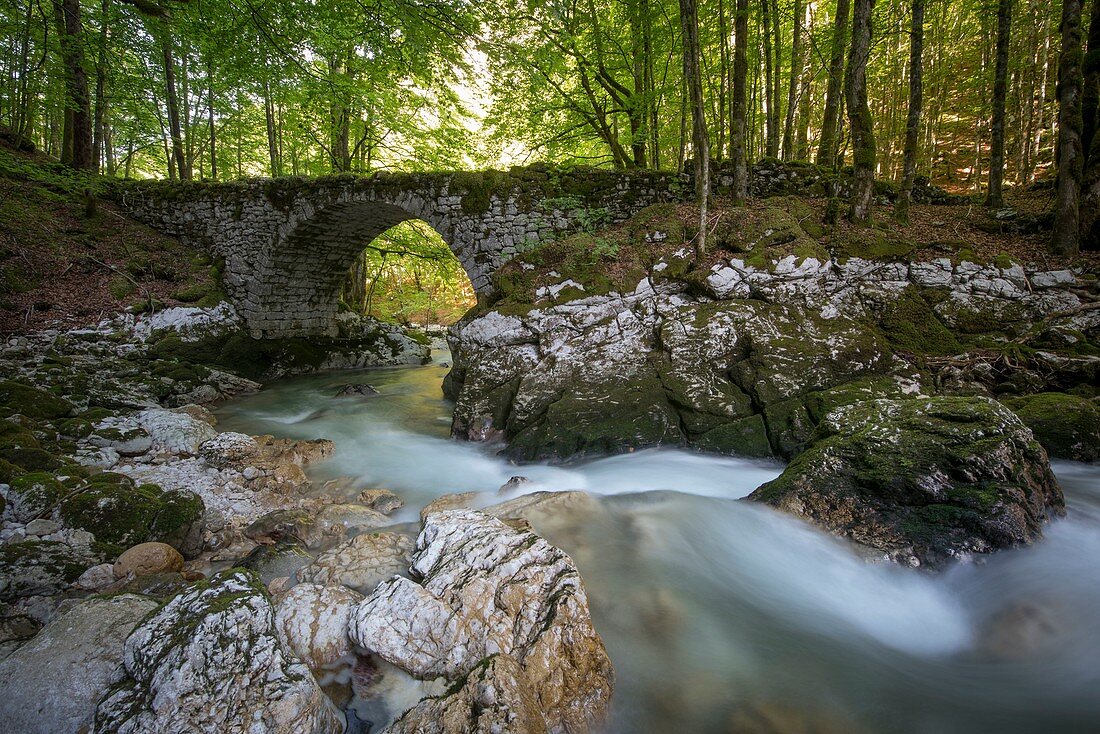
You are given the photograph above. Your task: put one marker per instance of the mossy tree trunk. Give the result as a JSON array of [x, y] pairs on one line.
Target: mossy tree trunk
[[738, 143], [859, 114], [912, 121], [1090, 195], [1069, 153], [994, 198], [827, 148]]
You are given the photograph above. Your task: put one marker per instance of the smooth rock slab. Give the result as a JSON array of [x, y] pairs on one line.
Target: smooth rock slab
[[211, 660], [53, 682], [146, 559], [487, 589]]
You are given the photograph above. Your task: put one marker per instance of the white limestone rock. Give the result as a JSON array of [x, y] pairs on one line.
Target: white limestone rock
[[313, 620], [361, 563], [229, 449], [190, 322], [486, 589], [211, 660], [52, 683]]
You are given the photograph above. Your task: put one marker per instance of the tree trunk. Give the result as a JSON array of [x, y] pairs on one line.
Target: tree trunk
[[272, 133], [1066, 237], [1069, 153], [994, 198], [77, 150], [210, 119], [738, 144], [771, 120], [912, 121], [638, 111], [100, 88], [827, 149], [1090, 95], [689, 23], [174, 129], [792, 87], [1090, 197], [859, 114]]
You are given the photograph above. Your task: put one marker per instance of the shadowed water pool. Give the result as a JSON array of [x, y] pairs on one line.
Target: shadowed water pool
[[728, 617]]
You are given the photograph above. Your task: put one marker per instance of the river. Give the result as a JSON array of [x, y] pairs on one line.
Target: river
[[725, 616]]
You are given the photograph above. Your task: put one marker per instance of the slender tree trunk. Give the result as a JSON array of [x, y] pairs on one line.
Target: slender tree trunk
[[1090, 94], [994, 198], [912, 121], [777, 78], [859, 114], [272, 133], [827, 149], [100, 112], [1090, 197], [771, 118], [210, 119], [795, 80], [689, 23], [738, 143], [174, 129], [638, 113], [1066, 238], [78, 117]]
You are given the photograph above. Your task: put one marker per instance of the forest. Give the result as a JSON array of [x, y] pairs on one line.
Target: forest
[[979, 96]]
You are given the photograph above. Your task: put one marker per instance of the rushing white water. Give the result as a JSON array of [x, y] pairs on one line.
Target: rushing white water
[[725, 616]]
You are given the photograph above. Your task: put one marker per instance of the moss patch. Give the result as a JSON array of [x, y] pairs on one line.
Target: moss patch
[[1066, 425], [910, 325]]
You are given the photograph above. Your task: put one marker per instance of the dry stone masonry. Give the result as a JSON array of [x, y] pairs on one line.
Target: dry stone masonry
[[287, 243]]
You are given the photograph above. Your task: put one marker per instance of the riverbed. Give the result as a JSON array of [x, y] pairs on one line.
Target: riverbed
[[725, 616]]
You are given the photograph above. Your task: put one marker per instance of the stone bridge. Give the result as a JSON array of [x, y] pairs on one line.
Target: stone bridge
[[287, 243]]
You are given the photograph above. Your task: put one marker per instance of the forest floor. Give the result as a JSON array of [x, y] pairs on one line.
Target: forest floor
[[63, 267]]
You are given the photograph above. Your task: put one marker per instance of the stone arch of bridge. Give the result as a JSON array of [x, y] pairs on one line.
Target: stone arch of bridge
[[305, 270]]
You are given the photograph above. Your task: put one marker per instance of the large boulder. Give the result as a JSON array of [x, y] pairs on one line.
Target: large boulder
[[1068, 426], [313, 619], [121, 513], [611, 373], [41, 567], [211, 660], [52, 683], [487, 588], [924, 480]]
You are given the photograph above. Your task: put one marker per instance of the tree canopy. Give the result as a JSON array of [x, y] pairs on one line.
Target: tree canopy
[[230, 88]]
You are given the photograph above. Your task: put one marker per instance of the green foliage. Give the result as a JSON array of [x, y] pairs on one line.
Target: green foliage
[[409, 275]]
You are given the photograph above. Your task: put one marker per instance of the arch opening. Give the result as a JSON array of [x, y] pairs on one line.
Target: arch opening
[[300, 284], [408, 275]]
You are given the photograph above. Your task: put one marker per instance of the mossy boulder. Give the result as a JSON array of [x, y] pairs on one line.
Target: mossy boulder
[[742, 437], [18, 398], [922, 481], [756, 229], [910, 325], [42, 567], [34, 495], [1067, 426], [122, 514], [600, 420]]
